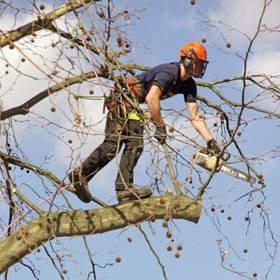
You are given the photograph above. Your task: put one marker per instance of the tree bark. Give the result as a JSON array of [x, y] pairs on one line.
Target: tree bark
[[78, 222]]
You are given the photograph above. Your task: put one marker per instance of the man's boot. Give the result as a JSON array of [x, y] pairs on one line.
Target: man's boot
[[133, 193], [80, 183]]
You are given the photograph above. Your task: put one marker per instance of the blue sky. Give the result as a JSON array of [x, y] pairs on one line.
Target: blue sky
[[163, 28]]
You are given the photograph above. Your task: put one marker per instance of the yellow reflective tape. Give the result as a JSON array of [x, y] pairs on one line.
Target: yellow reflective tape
[[133, 116]]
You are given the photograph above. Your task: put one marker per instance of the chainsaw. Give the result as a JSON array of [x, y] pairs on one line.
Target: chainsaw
[[211, 162]]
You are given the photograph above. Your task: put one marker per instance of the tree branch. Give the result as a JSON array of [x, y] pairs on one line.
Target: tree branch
[[41, 23], [23, 109], [78, 222], [45, 173], [236, 104]]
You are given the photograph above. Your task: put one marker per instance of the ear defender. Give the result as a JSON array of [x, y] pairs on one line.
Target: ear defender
[[187, 62]]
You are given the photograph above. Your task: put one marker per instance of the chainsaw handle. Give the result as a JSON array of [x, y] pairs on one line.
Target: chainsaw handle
[[225, 156]]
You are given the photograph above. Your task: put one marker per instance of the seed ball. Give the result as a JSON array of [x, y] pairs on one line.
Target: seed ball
[[53, 45], [22, 59], [228, 45], [64, 271], [246, 219], [88, 39], [258, 205], [229, 218], [203, 40], [101, 14], [215, 124], [245, 251], [118, 259], [10, 168], [162, 201], [171, 129], [18, 237], [72, 46], [152, 218], [169, 248], [32, 40], [192, 2], [222, 211], [53, 109], [177, 255], [239, 133], [11, 46], [27, 171], [255, 274], [168, 234], [167, 218], [164, 224], [70, 141], [91, 92], [42, 7], [6, 72], [7, 65], [129, 239], [179, 247], [212, 209], [119, 41]]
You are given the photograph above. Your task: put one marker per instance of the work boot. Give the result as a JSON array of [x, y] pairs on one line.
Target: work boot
[[133, 193], [80, 183]]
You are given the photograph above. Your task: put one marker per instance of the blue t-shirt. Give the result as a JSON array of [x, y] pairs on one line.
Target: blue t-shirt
[[166, 77]]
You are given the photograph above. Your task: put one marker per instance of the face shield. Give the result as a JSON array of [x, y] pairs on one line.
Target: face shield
[[199, 68]]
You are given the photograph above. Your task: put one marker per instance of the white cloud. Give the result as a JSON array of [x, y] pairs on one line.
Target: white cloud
[[17, 88], [267, 64], [244, 16]]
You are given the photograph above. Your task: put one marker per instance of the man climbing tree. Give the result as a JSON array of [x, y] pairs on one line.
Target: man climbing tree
[[124, 124]]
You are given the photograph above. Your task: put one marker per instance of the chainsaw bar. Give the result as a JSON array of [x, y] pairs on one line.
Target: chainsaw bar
[[210, 163]]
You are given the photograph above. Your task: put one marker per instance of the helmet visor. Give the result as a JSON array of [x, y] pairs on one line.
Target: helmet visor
[[200, 68]]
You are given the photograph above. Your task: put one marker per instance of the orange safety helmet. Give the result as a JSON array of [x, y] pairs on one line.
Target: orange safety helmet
[[193, 53], [194, 49]]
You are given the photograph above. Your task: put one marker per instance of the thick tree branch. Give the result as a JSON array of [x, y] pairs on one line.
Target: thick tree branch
[[41, 23], [73, 223]]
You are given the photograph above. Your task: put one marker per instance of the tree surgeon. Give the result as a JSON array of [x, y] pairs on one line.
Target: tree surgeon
[[124, 126]]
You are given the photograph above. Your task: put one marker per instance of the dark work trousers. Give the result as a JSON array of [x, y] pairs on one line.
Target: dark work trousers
[[117, 133]]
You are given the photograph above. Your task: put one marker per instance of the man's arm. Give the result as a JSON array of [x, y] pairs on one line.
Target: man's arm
[[198, 122], [153, 103]]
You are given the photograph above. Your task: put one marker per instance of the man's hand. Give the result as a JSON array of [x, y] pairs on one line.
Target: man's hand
[[213, 146], [161, 134]]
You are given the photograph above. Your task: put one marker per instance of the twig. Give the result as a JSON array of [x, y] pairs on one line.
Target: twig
[[153, 251]]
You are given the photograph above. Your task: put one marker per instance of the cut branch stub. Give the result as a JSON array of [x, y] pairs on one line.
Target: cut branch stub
[[78, 222]]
